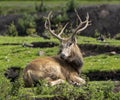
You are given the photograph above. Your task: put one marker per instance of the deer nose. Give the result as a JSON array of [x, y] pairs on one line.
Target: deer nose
[[62, 56]]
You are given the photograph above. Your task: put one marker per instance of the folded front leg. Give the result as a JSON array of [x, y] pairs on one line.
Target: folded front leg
[[56, 82], [76, 80]]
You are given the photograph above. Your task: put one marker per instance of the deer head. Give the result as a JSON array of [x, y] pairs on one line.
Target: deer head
[[68, 46]]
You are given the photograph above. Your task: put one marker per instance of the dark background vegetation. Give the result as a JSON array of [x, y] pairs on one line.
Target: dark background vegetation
[[105, 19]]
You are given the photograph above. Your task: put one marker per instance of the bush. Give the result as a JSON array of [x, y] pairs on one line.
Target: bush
[[62, 17], [97, 34], [31, 31], [92, 91], [4, 89], [71, 5], [40, 7], [117, 36], [12, 31], [25, 24]]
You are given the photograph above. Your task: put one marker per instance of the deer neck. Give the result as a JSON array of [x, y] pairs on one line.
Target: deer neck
[[76, 60]]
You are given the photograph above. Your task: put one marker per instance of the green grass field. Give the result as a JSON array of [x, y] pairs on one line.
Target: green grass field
[[29, 6], [17, 55], [12, 55], [102, 63]]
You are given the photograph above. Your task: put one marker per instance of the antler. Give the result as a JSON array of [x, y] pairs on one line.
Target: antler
[[82, 26], [52, 31]]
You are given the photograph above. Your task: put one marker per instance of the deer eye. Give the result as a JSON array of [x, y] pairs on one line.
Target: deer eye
[[70, 44]]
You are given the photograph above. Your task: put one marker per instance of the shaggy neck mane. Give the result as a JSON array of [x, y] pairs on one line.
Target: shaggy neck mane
[[76, 60]]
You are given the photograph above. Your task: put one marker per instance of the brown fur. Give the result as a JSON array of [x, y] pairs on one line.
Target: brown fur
[[56, 70], [64, 67]]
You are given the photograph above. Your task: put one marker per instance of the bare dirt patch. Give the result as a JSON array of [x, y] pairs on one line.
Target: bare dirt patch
[[87, 49], [103, 75], [94, 49]]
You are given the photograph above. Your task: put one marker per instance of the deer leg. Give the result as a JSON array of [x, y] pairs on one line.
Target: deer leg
[[56, 82], [77, 81]]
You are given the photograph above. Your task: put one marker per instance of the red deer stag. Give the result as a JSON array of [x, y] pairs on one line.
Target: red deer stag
[[65, 66]]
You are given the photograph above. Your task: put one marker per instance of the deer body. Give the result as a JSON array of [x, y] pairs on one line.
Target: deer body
[[51, 69], [55, 68], [66, 66]]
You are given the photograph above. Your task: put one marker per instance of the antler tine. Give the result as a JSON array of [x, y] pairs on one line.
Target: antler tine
[[78, 15], [47, 20], [85, 23], [49, 27], [46, 23], [63, 29]]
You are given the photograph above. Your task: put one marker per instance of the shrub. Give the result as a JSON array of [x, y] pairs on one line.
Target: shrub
[[12, 31], [40, 7], [26, 23], [100, 91], [97, 34], [117, 36], [31, 31], [4, 89], [62, 17], [71, 5], [92, 91]]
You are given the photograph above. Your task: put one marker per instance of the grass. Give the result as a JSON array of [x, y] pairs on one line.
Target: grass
[[90, 40], [52, 3], [80, 39], [29, 6], [102, 62], [17, 55], [7, 39], [12, 55], [92, 91]]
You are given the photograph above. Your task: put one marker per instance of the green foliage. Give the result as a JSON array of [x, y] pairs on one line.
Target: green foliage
[[12, 31], [18, 6], [62, 17], [0, 10], [27, 25], [15, 88], [92, 91], [100, 92], [40, 7], [97, 34], [31, 31], [14, 54], [101, 62], [71, 5], [117, 36], [4, 88], [43, 88]]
